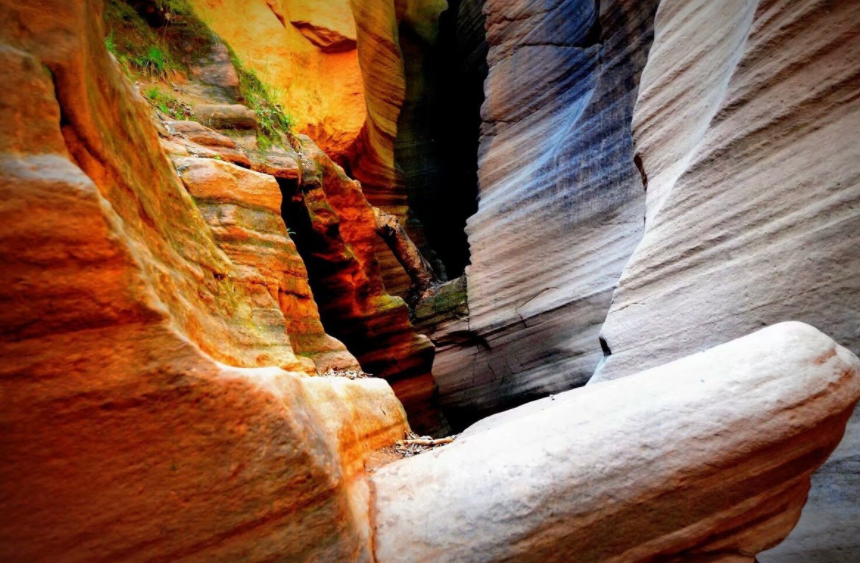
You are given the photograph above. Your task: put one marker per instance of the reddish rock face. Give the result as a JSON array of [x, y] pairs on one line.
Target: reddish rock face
[[338, 66], [152, 403], [336, 234], [244, 209]]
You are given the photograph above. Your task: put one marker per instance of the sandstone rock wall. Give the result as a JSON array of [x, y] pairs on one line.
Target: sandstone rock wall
[[243, 208], [335, 231], [306, 51], [746, 126], [337, 68], [336, 234], [122, 438], [560, 199]]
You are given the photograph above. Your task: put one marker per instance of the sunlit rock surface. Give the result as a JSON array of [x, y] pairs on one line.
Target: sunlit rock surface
[[717, 470], [159, 324], [305, 51], [338, 68], [335, 230], [746, 125], [123, 439]]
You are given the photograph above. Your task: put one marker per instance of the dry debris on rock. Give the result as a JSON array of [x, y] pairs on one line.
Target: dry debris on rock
[[415, 444], [350, 373], [410, 446]]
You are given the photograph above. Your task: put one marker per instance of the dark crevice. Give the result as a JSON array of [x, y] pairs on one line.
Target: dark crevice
[[605, 347], [640, 166], [438, 133]]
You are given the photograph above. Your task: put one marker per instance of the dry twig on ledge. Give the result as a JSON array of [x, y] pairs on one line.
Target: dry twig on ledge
[[415, 444], [425, 442]]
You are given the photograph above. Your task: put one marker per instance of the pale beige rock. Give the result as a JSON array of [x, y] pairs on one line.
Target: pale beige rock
[[747, 124], [704, 459]]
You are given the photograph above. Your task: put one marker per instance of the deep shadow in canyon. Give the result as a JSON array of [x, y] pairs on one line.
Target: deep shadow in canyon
[[439, 129]]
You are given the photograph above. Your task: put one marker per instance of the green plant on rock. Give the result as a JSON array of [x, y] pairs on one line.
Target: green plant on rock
[[273, 124], [154, 63], [111, 44], [154, 50], [167, 103]]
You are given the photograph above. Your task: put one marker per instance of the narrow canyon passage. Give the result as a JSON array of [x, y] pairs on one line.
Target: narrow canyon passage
[[430, 280]]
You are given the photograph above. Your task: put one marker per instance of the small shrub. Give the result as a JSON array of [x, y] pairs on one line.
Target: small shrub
[[272, 121], [154, 63]]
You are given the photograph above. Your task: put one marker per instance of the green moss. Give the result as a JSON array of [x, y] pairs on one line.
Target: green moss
[[110, 44], [274, 126], [450, 299], [137, 47], [167, 103], [155, 44]]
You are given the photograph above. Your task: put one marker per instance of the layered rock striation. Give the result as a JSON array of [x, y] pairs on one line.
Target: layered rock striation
[[335, 230], [561, 201], [164, 316], [243, 208], [336, 235], [339, 68]]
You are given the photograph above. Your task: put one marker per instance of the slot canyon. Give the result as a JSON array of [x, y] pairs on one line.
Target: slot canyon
[[407, 281]]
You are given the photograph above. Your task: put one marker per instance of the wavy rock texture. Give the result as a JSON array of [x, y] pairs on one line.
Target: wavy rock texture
[[371, 158], [335, 229], [746, 135], [244, 210], [336, 235], [122, 438], [337, 68], [715, 471], [560, 200]]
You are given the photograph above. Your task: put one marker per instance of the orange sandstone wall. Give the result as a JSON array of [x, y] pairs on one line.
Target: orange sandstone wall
[[121, 436], [306, 51], [337, 68]]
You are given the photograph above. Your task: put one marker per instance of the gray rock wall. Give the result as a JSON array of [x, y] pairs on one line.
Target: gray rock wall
[[745, 131], [560, 200]]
